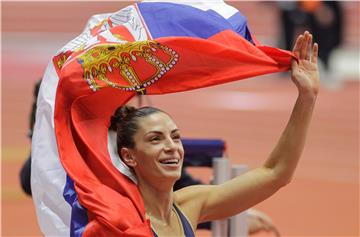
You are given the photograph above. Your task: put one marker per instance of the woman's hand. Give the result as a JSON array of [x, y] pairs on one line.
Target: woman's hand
[[305, 73]]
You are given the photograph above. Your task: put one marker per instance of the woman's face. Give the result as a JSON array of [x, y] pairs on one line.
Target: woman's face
[[158, 151]]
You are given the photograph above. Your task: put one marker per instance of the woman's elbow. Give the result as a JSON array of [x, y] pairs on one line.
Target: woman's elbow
[[282, 179]]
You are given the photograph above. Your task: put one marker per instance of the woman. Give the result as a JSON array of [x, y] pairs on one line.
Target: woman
[[148, 141]]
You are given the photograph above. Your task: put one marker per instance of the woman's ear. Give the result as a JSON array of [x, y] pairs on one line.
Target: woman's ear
[[127, 157]]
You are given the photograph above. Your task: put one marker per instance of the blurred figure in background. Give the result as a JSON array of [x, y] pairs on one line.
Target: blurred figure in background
[[25, 171], [323, 18]]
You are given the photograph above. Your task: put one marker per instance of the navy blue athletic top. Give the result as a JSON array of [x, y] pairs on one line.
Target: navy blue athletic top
[[188, 231]]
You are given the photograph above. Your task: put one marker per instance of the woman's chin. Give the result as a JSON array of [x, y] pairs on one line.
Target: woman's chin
[[172, 175], [172, 171]]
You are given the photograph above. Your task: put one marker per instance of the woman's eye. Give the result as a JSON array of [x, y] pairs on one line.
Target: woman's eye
[[177, 137], [156, 138]]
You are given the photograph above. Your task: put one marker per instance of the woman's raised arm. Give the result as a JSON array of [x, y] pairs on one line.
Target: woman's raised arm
[[247, 190]]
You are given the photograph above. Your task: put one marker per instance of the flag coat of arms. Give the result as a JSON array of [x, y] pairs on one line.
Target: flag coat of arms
[[79, 186]]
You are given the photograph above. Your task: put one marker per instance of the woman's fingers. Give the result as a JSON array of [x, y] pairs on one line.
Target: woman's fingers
[[297, 46], [308, 47], [315, 51], [304, 45], [304, 49]]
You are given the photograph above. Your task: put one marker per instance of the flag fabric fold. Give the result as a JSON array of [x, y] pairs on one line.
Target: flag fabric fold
[[146, 48]]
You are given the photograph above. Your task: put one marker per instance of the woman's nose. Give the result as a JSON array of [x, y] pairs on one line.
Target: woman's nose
[[170, 145]]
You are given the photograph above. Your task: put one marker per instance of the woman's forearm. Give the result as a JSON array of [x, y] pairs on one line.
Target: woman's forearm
[[305, 75], [285, 156], [247, 190]]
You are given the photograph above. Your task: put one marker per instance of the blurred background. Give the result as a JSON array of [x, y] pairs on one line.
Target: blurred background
[[322, 200]]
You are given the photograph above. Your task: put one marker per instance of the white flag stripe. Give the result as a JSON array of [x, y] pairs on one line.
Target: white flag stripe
[[47, 174]]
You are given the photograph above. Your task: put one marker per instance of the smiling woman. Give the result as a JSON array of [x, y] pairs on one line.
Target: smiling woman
[[148, 141]]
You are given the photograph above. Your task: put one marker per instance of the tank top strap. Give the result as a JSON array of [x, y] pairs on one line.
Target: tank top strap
[[188, 231]]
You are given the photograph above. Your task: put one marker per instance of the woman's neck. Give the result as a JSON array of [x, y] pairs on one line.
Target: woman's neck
[[158, 201]]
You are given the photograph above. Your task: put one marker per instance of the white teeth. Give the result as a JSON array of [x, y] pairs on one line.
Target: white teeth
[[170, 161]]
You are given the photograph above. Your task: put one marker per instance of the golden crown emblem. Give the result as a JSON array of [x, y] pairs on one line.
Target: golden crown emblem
[[130, 66]]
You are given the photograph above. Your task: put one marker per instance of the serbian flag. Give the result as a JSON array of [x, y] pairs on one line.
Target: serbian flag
[[80, 187]]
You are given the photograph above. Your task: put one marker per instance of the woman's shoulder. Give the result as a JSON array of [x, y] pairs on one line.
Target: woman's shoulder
[[190, 201], [191, 193]]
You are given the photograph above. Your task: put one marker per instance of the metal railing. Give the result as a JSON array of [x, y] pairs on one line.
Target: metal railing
[[236, 226]]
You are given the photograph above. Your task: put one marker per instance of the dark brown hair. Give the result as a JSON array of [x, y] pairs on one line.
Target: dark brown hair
[[125, 122]]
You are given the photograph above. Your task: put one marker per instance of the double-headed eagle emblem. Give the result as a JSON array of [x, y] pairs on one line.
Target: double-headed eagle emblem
[[130, 66]]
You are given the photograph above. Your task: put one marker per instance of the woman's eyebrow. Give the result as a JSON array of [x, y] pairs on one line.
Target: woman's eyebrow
[[175, 130], [154, 131], [159, 132]]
